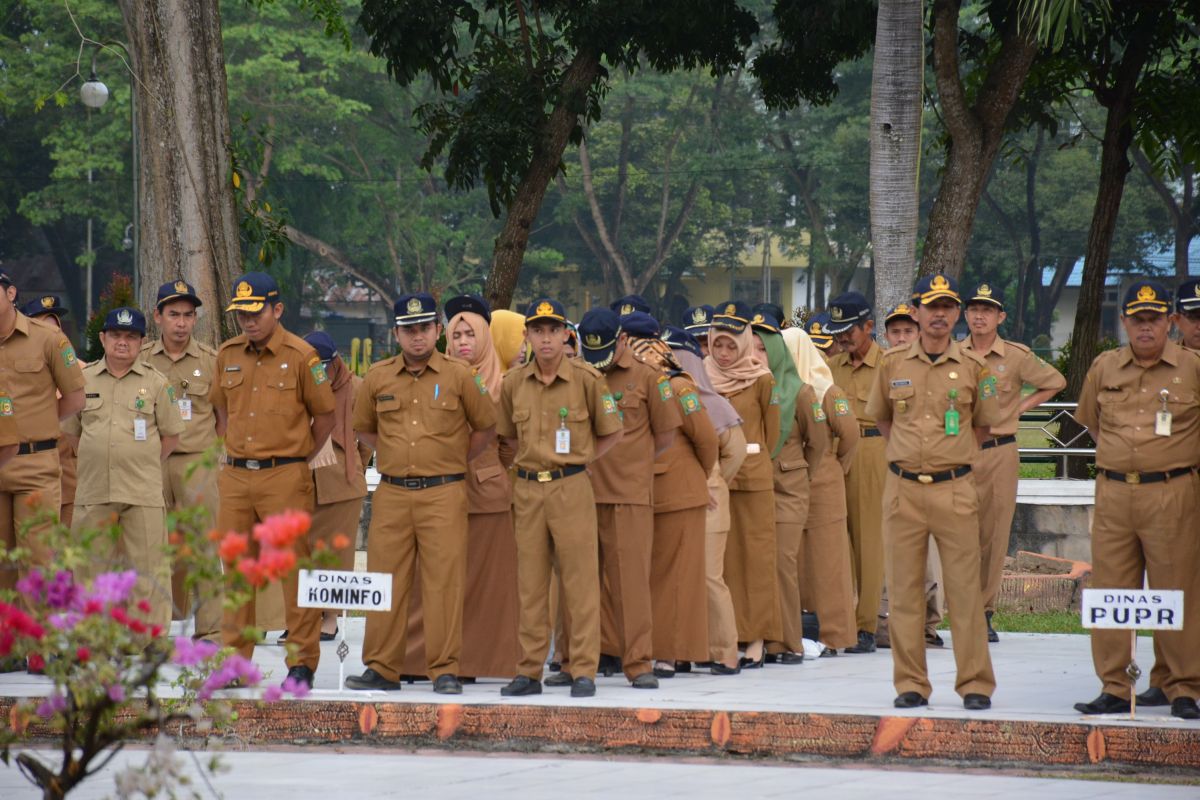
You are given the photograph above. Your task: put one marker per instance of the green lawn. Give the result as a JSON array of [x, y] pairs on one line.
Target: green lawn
[[1036, 622]]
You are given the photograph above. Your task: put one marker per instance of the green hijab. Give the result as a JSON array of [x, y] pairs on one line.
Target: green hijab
[[787, 383]]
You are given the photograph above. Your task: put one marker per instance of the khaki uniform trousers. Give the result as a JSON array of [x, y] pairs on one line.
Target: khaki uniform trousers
[[141, 546], [791, 515], [181, 490], [68, 461], [330, 519], [30, 486], [249, 496], [864, 488], [825, 584], [1149, 530], [996, 471], [750, 565], [722, 625], [949, 512], [626, 612], [556, 524], [431, 523], [677, 590]]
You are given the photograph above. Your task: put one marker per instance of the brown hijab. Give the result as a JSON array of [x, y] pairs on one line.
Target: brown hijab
[[745, 369], [486, 360], [340, 378]]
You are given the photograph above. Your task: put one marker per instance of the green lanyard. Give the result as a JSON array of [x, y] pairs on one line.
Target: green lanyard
[[952, 415]]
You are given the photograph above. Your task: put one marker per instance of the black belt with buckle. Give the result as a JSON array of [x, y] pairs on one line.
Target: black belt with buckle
[[988, 444], [25, 448], [547, 475], [930, 477], [1146, 477], [421, 483], [869, 432], [264, 463]]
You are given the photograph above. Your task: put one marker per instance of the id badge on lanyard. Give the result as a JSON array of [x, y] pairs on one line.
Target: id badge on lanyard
[[562, 436]]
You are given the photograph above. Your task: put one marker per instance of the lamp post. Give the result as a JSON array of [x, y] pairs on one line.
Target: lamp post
[[94, 94]]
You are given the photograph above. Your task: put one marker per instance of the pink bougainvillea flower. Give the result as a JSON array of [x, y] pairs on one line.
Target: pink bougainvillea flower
[[189, 653], [282, 530], [233, 546]]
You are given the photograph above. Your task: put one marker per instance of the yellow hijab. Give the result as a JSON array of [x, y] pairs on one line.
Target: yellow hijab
[[508, 334]]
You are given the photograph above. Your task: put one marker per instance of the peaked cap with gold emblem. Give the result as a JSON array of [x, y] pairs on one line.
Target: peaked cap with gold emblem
[[1146, 295]]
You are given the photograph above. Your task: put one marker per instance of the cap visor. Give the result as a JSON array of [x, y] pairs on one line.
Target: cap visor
[[173, 297], [1191, 304], [551, 317], [929, 297], [834, 328], [415, 319], [991, 300], [729, 324], [1156, 306], [253, 306], [601, 358]]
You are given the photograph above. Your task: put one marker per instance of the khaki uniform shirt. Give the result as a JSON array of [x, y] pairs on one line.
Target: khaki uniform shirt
[[809, 437], [858, 381], [192, 379], [1119, 402], [37, 363], [913, 393], [758, 406], [530, 411], [271, 395], [114, 465], [843, 427], [1014, 366], [681, 472], [423, 421], [646, 405]]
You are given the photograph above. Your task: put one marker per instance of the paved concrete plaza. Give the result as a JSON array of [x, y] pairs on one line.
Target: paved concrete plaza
[[1039, 677], [448, 776]]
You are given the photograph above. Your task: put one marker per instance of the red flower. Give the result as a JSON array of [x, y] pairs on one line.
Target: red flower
[[36, 662], [83, 654], [341, 541], [281, 530], [143, 606], [156, 631], [252, 572], [232, 546], [137, 626]]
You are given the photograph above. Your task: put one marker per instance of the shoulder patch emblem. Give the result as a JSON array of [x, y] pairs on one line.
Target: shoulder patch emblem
[[818, 412], [690, 402], [610, 405], [664, 389], [841, 407], [479, 382], [68, 353], [774, 396], [318, 372], [6, 406], [987, 386]]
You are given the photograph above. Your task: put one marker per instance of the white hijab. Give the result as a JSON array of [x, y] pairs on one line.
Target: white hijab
[[809, 363]]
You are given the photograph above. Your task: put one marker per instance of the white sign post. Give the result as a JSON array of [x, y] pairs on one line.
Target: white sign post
[[1134, 610], [349, 591]]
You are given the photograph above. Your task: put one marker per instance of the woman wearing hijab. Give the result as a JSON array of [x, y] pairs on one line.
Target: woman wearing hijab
[[750, 550], [677, 564], [490, 602], [508, 337], [731, 443], [826, 587], [803, 439]]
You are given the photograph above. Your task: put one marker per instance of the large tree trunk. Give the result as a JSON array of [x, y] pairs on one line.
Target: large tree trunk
[[510, 246], [975, 132], [188, 219], [896, 82]]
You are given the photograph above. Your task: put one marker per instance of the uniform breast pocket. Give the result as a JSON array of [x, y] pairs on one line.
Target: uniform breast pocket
[[901, 398], [520, 419], [232, 380], [1111, 402], [580, 426], [93, 403], [281, 393], [194, 389], [29, 365], [445, 416]]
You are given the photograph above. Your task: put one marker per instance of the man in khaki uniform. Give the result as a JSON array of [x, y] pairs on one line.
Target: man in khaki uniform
[[275, 408], [189, 366], [558, 417], [622, 484], [427, 416], [854, 371], [128, 427], [932, 399], [1187, 314], [996, 467], [1141, 404], [43, 379]]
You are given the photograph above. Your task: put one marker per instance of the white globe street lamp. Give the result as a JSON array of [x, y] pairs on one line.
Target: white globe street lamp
[[93, 92]]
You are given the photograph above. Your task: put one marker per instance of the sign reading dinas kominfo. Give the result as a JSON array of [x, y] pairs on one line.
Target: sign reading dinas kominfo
[[354, 591], [1141, 609]]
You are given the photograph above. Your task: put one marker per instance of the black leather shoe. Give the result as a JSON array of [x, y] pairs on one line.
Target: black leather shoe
[[664, 672], [644, 681], [1185, 708], [608, 665], [554, 666], [829, 652], [447, 684], [282, 638], [558, 679], [521, 686], [977, 702], [992, 635], [1104, 704], [301, 674], [866, 643], [750, 663], [791, 658], [372, 680], [584, 687], [1153, 696], [329, 637], [718, 668], [683, 666], [909, 700], [934, 640]]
